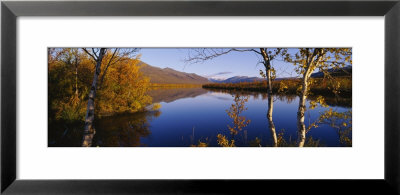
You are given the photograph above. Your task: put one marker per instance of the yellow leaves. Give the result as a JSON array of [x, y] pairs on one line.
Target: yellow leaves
[[299, 89], [255, 143], [200, 144], [310, 142], [121, 86], [341, 121], [318, 58], [239, 122], [71, 110], [319, 101], [280, 139], [283, 87], [224, 142], [318, 86], [262, 74], [313, 104], [124, 88], [156, 106], [273, 74]]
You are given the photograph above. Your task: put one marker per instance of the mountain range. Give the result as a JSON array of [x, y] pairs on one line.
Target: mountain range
[[170, 76], [237, 79], [345, 71]]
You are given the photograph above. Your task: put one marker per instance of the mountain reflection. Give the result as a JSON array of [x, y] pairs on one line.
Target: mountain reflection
[[171, 94]]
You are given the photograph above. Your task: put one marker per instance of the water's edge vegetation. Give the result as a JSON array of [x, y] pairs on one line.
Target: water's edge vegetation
[[318, 86]]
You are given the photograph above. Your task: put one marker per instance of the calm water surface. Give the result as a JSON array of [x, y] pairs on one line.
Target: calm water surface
[[190, 115]]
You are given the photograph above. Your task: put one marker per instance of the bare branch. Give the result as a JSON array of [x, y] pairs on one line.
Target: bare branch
[[94, 53], [94, 58], [118, 56], [204, 54]]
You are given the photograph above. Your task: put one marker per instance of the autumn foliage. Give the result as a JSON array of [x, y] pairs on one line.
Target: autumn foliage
[[239, 121], [122, 88], [235, 111], [318, 86]]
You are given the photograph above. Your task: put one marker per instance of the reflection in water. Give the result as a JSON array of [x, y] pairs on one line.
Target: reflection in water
[[63, 134], [279, 140], [341, 121], [171, 94], [328, 117], [119, 130], [286, 98], [270, 122], [301, 139], [235, 111], [202, 112], [289, 98], [239, 121], [124, 130]]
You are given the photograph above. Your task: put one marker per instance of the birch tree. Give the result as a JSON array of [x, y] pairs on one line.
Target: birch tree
[[97, 55], [88, 131], [267, 54], [307, 60], [270, 75]]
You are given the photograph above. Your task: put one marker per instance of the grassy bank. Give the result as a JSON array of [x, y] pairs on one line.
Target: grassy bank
[[318, 86]]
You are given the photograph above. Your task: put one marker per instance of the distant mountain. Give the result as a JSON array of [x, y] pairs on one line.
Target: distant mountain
[[237, 79], [170, 76], [216, 80], [346, 71]]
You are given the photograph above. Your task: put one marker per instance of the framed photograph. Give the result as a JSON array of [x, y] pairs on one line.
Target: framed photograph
[[220, 97]]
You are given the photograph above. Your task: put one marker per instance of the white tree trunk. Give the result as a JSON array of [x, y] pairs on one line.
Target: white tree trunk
[[271, 108], [300, 114], [302, 105], [267, 64], [312, 63], [89, 130], [270, 122]]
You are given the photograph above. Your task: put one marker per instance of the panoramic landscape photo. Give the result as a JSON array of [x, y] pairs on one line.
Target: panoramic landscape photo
[[199, 97]]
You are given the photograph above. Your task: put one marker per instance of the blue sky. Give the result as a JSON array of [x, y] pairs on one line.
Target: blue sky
[[225, 66]]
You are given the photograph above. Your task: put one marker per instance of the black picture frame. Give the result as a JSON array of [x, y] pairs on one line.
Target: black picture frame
[[10, 10]]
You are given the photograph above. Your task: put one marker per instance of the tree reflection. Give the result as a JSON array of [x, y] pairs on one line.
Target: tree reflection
[[342, 122], [238, 121], [124, 130], [270, 121], [301, 134], [286, 98]]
